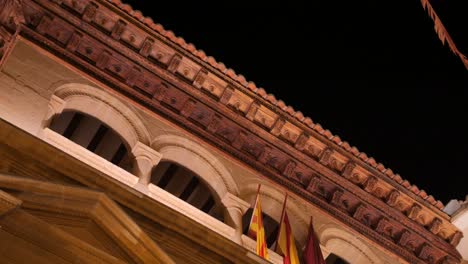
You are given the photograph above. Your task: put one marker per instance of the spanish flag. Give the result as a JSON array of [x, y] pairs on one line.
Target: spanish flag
[[285, 244], [256, 229]]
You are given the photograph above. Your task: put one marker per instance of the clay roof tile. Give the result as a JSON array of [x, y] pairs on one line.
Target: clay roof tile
[[371, 161], [210, 60], [439, 205], [406, 184], [148, 21], [261, 92], [271, 98], [252, 86], [354, 151], [231, 73], [346, 146], [200, 54], [398, 178], [308, 121], [191, 48], [240, 78], [423, 194], [280, 104], [431, 199], [414, 189], [318, 128], [170, 35], [328, 134], [180, 41], [158, 27], [138, 15], [221, 66], [299, 116], [127, 8], [363, 156], [381, 167], [290, 110]]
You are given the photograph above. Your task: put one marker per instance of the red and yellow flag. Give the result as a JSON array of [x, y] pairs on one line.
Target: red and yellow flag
[[285, 244], [256, 229]]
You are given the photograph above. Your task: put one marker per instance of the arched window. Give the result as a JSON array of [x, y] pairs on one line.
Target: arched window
[[271, 227], [93, 135], [334, 259], [187, 186]]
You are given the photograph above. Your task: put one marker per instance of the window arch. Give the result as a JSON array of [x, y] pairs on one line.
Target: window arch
[[103, 106], [346, 245], [197, 159], [187, 186], [93, 135]]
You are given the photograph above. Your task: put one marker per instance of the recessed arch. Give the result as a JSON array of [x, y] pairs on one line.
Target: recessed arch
[[106, 108], [93, 135], [187, 186], [346, 246], [197, 159]]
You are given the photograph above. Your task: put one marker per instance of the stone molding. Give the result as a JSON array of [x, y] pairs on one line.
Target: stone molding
[[106, 108]]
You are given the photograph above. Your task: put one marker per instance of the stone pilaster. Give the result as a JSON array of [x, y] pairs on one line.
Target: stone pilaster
[[235, 208]]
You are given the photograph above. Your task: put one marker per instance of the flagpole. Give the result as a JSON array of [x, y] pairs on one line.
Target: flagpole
[[281, 220], [255, 203]]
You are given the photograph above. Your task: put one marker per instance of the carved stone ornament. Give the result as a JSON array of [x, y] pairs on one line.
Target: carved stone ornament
[[11, 12], [414, 211], [393, 197]]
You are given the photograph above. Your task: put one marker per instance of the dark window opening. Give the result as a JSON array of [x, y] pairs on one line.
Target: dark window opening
[[93, 135], [187, 186], [334, 259], [271, 227]]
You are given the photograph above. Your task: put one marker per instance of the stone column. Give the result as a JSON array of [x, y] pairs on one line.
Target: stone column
[[145, 160], [234, 209]]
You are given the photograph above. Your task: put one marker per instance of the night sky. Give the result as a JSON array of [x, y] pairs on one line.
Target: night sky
[[373, 72]]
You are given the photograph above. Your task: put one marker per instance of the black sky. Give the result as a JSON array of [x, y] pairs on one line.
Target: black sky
[[373, 72]]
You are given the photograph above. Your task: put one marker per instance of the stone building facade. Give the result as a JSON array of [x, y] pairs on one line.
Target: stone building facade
[[122, 143]]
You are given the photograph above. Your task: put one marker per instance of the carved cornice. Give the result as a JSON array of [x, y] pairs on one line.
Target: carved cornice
[[148, 69]]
